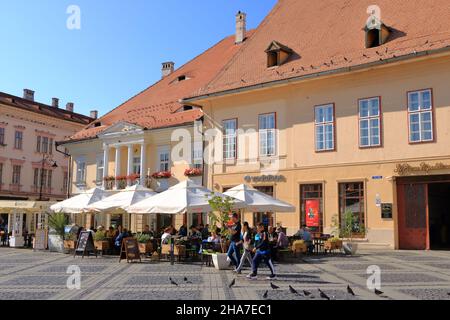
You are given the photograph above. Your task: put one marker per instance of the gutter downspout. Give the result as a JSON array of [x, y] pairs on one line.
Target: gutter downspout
[[69, 173]]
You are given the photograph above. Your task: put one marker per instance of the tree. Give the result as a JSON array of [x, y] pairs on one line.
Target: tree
[[221, 208]]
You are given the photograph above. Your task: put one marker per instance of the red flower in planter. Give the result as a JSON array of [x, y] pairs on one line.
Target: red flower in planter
[[133, 177], [162, 175], [109, 178], [193, 172]]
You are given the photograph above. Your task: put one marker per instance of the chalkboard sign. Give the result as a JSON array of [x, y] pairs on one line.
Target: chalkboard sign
[[85, 244], [130, 250], [386, 210], [40, 241]]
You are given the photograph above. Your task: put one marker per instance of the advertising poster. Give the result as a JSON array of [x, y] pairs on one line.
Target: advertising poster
[[312, 208]]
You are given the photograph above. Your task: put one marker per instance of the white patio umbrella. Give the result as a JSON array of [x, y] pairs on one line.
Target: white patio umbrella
[[257, 201], [185, 197], [81, 202], [122, 199]]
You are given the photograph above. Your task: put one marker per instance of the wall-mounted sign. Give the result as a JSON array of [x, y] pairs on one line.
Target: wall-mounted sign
[[377, 178], [404, 169], [386, 210], [378, 200], [265, 178], [312, 208]]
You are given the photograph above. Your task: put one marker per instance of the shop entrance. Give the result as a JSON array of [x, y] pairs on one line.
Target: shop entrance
[[439, 215], [424, 213]]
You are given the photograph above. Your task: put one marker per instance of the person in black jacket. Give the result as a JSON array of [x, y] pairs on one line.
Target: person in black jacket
[[262, 252]]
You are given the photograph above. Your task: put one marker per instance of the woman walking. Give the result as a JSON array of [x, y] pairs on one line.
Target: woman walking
[[247, 242]]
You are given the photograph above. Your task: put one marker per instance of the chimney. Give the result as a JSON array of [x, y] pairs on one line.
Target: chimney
[[69, 106], [241, 27], [28, 94], [55, 102], [94, 114], [167, 68]]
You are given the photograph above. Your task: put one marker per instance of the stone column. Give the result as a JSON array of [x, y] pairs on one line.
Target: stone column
[[105, 164], [130, 163], [143, 163], [118, 164]]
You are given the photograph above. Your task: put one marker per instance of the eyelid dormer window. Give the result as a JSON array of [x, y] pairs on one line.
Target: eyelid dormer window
[[377, 33], [277, 54]]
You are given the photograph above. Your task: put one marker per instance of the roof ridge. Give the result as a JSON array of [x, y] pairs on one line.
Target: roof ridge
[[246, 43], [176, 70]]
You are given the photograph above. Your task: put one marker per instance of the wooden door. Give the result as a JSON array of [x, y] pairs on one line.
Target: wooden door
[[413, 216]]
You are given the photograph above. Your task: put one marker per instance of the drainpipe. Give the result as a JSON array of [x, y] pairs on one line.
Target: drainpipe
[[69, 171]]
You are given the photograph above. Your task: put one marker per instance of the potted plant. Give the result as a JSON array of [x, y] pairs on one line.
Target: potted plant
[[70, 241], [219, 218], [109, 182], [347, 228], [56, 223], [145, 243], [333, 243], [121, 182], [299, 246], [100, 241]]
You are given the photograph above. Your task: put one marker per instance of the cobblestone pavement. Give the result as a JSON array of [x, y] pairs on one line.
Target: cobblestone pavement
[[25, 274]]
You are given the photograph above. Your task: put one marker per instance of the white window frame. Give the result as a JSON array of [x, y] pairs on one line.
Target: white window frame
[[18, 140], [100, 167], [137, 165], [81, 171], [267, 127], [163, 165], [229, 139], [373, 131], [16, 174], [2, 136], [324, 124], [420, 113], [197, 155]]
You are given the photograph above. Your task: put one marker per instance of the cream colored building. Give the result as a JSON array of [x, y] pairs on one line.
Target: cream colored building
[[360, 122]]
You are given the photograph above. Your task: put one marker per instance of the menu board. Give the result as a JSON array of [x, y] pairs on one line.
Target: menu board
[[85, 244], [130, 250], [40, 241]]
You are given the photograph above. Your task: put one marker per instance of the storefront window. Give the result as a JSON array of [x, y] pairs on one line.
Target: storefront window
[[351, 199], [311, 197]]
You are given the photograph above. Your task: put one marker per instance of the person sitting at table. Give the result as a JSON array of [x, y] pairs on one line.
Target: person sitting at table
[[307, 237], [147, 231], [214, 238], [283, 241], [167, 235], [111, 233], [183, 232], [204, 231], [195, 233], [118, 241], [272, 234]]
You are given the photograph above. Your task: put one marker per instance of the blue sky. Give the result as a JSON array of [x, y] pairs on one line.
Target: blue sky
[[118, 50]]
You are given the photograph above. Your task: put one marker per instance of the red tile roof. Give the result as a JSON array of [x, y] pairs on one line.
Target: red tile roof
[[329, 35], [36, 107], [158, 106]]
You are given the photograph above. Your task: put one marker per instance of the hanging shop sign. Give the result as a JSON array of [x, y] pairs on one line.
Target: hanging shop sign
[[312, 208], [265, 178]]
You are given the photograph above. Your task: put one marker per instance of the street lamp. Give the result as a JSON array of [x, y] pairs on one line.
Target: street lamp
[[45, 159]]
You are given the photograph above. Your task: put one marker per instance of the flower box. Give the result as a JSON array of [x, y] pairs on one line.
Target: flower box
[[101, 245], [162, 175], [299, 247], [146, 248], [70, 244], [193, 172]]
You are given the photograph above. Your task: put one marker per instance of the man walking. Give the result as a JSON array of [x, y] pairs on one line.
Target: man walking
[[235, 231]]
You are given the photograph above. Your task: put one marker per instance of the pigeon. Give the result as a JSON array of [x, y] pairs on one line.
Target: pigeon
[[265, 294], [365, 55], [292, 290], [232, 283], [448, 293], [173, 282], [306, 293], [345, 58], [378, 292], [323, 295], [350, 291], [274, 287], [186, 280]]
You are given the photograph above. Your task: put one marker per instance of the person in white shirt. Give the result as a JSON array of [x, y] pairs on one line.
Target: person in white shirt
[[167, 235]]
